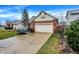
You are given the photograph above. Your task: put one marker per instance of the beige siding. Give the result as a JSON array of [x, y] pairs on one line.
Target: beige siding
[[46, 18]]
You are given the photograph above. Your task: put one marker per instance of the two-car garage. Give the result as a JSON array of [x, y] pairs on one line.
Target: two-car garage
[[44, 27]]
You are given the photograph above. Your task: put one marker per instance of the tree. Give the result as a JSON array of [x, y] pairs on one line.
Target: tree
[[72, 33], [25, 18]]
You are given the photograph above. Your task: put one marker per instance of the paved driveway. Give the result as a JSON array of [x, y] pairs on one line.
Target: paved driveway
[[23, 44]]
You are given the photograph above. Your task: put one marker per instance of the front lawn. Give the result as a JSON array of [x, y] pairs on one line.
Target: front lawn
[[51, 46], [6, 34]]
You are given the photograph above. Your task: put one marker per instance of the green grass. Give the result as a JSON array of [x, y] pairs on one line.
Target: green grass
[[51, 46], [6, 34]]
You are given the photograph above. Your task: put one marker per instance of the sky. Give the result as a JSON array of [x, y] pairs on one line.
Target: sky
[[14, 12]]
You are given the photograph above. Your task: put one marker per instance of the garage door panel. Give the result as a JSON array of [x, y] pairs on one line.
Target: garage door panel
[[43, 28]]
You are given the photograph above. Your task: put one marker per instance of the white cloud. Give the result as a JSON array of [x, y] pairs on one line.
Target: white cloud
[[59, 14], [1, 10], [18, 16], [32, 13], [11, 15], [5, 15]]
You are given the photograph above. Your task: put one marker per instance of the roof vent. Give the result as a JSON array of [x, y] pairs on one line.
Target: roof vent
[[42, 15]]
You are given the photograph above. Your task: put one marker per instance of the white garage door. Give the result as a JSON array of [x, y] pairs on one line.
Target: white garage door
[[43, 28]]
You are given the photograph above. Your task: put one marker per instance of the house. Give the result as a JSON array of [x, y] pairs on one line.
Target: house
[[9, 24], [43, 22], [72, 15], [13, 24], [16, 24]]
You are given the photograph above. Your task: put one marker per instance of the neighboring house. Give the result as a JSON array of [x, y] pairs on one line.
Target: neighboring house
[[9, 24], [16, 24], [43, 22], [13, 24], [72, 15]]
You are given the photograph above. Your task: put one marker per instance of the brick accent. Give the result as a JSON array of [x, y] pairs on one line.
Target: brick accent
[[33, 26], [54, 24]]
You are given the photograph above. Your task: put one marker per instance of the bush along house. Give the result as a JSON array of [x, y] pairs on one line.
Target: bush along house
[[43, 22]]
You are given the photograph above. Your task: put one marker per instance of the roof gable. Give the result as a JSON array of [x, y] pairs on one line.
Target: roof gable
[[47, 17], [43, 16]]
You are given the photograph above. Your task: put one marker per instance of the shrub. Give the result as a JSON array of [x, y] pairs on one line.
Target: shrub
[[8, 28], [72, 33]]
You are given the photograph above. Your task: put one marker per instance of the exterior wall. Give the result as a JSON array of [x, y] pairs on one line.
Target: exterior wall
[[32, 26], [19, 26], [14, 26], [55, 26]]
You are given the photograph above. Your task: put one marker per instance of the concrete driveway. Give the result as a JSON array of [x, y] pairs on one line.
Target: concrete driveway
[[23, 44]]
